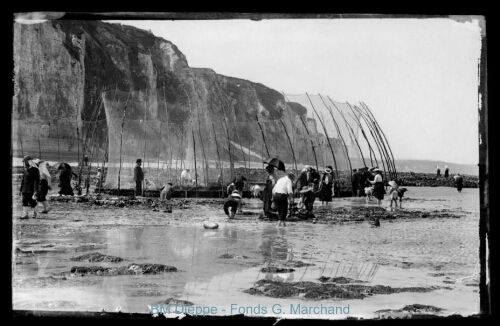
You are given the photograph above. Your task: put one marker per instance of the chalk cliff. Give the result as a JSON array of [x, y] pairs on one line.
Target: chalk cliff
[[63, 68]]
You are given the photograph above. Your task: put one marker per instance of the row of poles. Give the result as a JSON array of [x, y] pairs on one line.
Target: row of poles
[[359, 114]]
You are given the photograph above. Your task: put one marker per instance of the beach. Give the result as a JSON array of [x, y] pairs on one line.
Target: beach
[[426, 252]]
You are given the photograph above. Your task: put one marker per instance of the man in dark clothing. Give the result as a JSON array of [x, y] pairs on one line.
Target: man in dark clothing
[[29, 187], [314, 179], [86, 161], [138, 177]]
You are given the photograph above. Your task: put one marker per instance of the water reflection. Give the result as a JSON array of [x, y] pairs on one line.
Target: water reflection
[[274, 244]]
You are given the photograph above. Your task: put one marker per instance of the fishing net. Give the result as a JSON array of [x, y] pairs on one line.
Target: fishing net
[[212, 140]]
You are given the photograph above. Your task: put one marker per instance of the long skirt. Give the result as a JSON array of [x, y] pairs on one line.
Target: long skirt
[[325, 194], [379, 191]]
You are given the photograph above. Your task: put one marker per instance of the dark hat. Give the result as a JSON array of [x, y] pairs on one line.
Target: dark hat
[[170, 183], [138, 161], [328, 170], [27, 158], [291, 175]]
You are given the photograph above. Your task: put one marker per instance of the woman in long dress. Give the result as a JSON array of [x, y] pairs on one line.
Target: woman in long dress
[[267, 194], [378, 186], [65, 181], [325, 192]]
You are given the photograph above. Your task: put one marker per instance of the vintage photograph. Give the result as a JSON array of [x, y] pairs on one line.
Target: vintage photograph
[[276, 166]]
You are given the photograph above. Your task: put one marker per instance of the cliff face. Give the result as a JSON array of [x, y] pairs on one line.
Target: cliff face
[[63, 68]]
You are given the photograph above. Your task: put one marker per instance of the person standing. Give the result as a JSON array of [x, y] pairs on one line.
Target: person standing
[[446, 171], [29, 187], [438, 171], [86, 161], [282, 195], [378, 185], [45, 185], [325, 193], [267, 194], [138, 177], [65, 181], [459, 181]]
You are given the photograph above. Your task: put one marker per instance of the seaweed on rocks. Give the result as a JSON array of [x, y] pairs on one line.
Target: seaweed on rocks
[[96, 257], [132, 269], [313, 290]]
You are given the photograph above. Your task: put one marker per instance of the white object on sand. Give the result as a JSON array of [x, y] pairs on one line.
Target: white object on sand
[[210, 225]]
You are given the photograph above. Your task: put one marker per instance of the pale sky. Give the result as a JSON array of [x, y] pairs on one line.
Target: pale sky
[[418, 76]]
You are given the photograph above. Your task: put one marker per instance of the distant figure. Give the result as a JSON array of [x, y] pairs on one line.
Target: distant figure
[[459, 182], [438, 172], [219, 179], [29, 187], [138, 177], [325, 192], [446, 171], [185, 177], [98, 176], [267, 194], [167, 191], [232, 204], [283, 194], [230, 188], [378, 186], [86, 161]]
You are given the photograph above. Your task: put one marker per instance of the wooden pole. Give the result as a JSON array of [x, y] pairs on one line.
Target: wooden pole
[[312, 144], [291, 145], [263, 137], [370, 128], [389, 164], [205, 160], [385, 138], [327, 137], [341, 138], [195, 170], [220, 161], [370, 149], [121, 142]]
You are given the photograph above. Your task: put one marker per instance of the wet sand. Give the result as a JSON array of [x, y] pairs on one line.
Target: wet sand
[[430, 243]]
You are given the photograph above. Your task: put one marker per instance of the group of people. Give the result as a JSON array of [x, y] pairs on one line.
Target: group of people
[[446, 171], [279, 194], [35, 185]]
